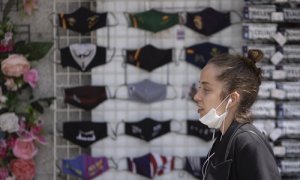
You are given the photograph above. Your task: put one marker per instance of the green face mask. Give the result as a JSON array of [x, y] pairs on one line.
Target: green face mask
[[153, 20]]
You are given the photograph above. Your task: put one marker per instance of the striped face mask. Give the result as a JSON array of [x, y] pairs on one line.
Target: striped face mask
[[151, 165]]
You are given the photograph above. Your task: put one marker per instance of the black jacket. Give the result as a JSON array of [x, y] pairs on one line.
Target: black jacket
[[242, 153]]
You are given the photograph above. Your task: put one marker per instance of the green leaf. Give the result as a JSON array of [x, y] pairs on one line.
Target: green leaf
[[7, 8], [38, 104], [34, 50]]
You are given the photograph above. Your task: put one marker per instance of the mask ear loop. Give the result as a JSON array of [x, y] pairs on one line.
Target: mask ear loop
[[115, 18], [178, 131], [174, 90], [58, 164], [118, 164], [115, 131], [114, 163], [180, 58], [111, 57], [52, 52], [239, 15], [183, 160]]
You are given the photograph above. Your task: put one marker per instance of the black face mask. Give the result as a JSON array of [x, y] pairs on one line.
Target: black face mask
[[83, 57], [208, 21], [147, 129], [149, 57], [199, 54], [84, 133], [85, 97], [193, 165], [82, 20], [196, 128]]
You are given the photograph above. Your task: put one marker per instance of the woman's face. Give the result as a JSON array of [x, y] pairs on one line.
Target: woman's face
[[209, 92]]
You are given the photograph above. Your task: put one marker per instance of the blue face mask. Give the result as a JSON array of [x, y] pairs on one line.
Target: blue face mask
[[85, 166], [199, 54]]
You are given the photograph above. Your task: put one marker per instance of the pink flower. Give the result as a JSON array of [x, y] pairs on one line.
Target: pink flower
[[31, 77], [3, 149], [10, 84], [3, 173], [15, 65], [24, 148], [22, 169], [30, 5]]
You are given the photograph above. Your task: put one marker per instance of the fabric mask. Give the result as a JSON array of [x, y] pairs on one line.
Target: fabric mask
[[199, 54], [83, 57], [197, 129], [147, 129], [151, 165], [84, 133], [82, 20], [85, 166], [149, 57], [212, 119], [193, 165], [153, 20], [85, 97], [147, 91], [208, 21]]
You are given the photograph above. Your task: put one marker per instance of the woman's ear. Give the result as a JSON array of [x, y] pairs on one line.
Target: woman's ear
[[235, 98]]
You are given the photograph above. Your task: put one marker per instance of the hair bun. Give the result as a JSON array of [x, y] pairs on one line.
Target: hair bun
[[255, 55]]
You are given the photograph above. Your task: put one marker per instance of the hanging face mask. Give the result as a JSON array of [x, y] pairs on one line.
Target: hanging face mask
[[198, 55], [153, 20], [84, 133], [197, 129], [193, 165], [85, 97], [212, 119], [149, 57], [146, 129], [83, 57], [208, 21], [82, 20], [85, 166], [151, 165]]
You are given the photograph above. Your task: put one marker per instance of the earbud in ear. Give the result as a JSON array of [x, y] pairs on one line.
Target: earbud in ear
[[229, 100]]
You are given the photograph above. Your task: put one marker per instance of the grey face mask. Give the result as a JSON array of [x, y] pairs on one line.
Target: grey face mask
[[147, 91]]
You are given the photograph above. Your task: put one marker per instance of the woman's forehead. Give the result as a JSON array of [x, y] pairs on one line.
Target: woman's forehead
[[209, 74]]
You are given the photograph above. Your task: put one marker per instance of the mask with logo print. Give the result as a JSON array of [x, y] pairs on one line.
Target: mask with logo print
[[212, 119]]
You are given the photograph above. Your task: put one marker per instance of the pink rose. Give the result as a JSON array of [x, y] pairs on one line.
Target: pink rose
[[22, 169], [31, 77], [3, 173], [24, 148], [15, 65]]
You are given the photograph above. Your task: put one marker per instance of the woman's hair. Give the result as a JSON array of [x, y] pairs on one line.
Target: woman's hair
[[240, 74]]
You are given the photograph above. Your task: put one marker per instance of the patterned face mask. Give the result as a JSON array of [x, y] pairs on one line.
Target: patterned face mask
[[82, 20], [84, 133], [83, 57], [85, 97], [208, 21], [199, 54], [147, 129], [149, 57], [153, 20], [151, 165], [85, 166]]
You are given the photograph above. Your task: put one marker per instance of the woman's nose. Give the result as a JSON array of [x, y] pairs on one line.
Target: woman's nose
[[197, 96]]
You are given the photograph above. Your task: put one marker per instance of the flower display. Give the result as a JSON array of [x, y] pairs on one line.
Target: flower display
[[21, 129]]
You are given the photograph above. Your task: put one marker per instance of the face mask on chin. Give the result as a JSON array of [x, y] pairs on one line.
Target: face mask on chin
[[212, 119]]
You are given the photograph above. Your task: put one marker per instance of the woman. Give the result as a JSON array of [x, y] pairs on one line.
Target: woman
[[228, 87]]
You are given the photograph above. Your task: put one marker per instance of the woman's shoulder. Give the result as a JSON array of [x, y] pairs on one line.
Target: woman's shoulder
[[248, 136]]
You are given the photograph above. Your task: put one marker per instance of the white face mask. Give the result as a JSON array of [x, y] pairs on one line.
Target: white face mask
[[211, 119]]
